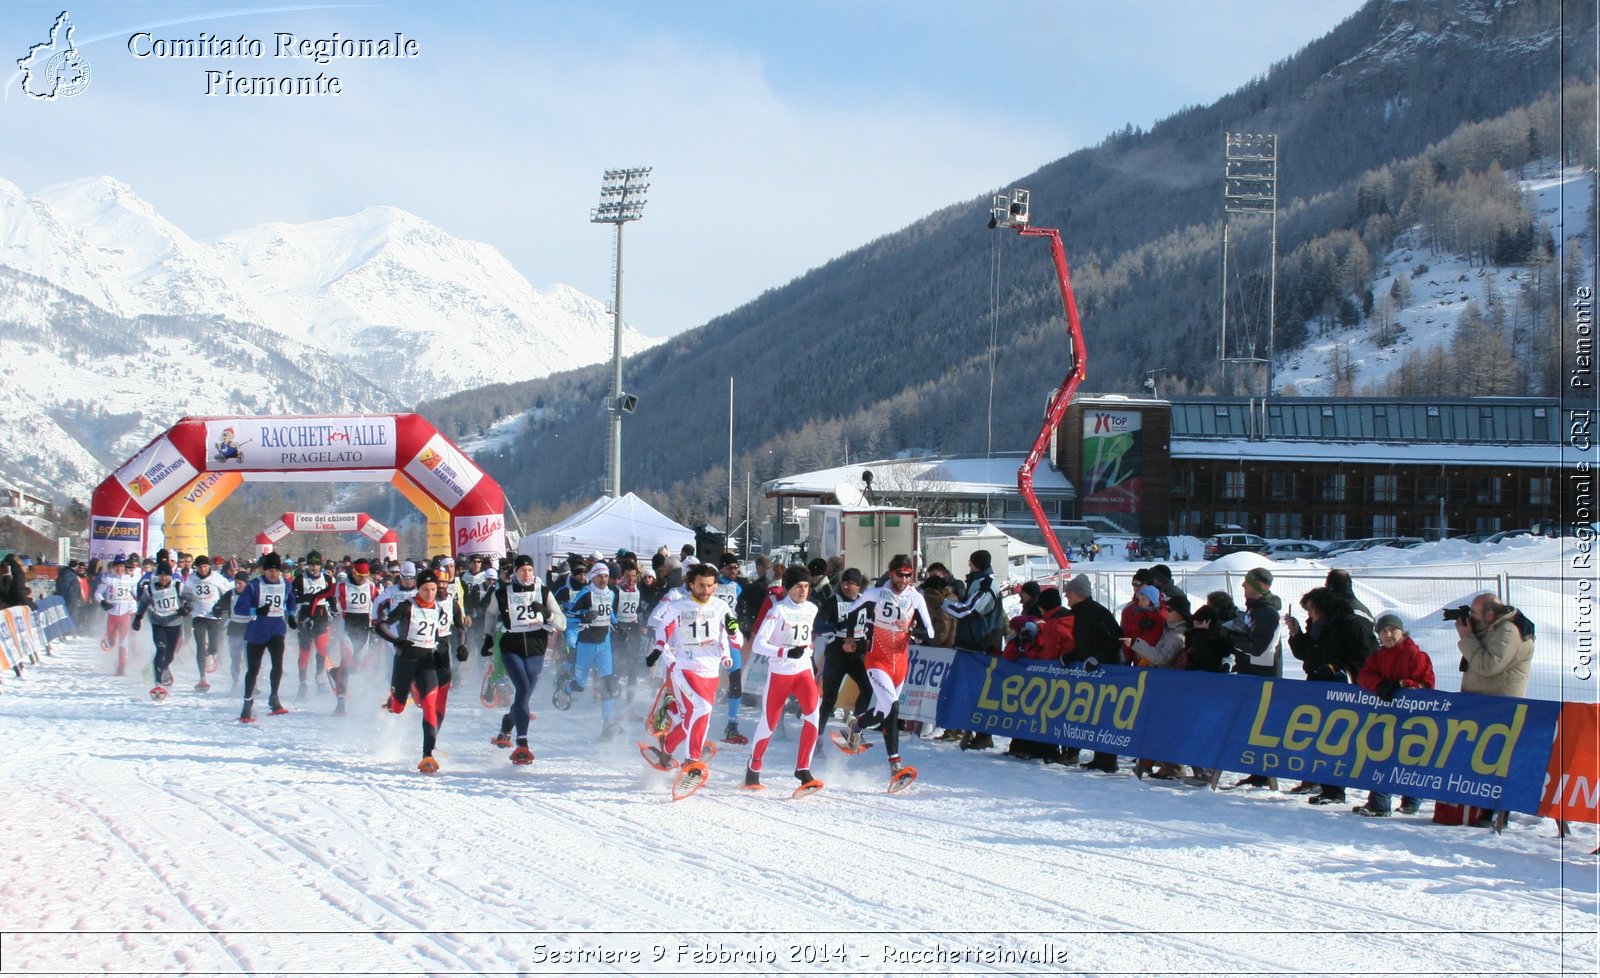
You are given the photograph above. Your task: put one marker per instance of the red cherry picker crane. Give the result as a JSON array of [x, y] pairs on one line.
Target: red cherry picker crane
[[1011, 211]]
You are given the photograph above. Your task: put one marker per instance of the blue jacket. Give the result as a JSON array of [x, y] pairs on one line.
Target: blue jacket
[[263, 626]]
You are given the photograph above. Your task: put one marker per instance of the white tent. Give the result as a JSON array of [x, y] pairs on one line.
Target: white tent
[[1014, 547], [608, 524]]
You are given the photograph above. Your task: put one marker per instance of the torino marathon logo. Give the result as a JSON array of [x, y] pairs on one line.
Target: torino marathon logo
[[55, 68]]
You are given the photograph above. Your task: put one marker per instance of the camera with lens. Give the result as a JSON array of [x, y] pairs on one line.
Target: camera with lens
[[1463, 613]]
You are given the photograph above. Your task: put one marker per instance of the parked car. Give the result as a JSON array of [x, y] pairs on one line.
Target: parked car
[[1505, 535], [1224, 544], [1292, 549], [1341, 546], [1155, 548]]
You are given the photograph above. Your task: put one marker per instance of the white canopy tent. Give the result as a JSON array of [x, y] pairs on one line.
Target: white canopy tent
[[1015, 547], [608, 524]]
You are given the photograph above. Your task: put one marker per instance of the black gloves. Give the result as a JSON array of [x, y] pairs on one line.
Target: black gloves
[[290, 621], [138, 620], [105, 606], [1387, 688], [488, 646], [797, 651], [461, 651], [1463, 663], [650, 659], [1091, 664], [263, 611]]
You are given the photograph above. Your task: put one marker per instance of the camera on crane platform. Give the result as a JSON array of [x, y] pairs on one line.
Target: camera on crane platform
[[1010, 210]]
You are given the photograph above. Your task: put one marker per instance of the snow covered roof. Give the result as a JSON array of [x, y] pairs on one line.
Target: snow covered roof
[[1456, 453], [946, 475]]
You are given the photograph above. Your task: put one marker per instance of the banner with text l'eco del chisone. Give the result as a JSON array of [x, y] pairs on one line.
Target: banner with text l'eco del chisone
[[1490, 751]]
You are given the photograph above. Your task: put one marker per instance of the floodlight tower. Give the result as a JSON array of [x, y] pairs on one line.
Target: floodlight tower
[[1250, 191], [621, 200]]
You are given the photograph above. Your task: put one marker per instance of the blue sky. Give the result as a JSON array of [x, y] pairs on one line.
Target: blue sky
[[782, 133]]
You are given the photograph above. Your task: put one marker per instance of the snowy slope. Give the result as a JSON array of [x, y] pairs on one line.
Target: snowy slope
[[393, 296], [308, 844], [1559, 199]]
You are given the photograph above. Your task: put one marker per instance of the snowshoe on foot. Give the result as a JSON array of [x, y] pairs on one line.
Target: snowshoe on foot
[[848, 741], [691, 778], [809, 785], [562, 698], [731, 734], [277, 707], [428, 766], [202, 687], [501, 740], [166, 677], [656, 757], [522, 755], [752, 781], [211, 662], [158, 693], [900, 777], [248, 715], [338, 709]]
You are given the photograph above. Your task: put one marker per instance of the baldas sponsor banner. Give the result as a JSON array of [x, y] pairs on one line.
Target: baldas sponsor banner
[[444, 473], [156, 474], [919, 695], [300, 444], [1045, 702], [480, 534]]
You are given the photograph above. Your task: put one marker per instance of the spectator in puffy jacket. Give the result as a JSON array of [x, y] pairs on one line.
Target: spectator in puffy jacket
[[1210, 648], [13, 583], [1397, 664], [1046, 635], [1331, 648], [1496, 646]]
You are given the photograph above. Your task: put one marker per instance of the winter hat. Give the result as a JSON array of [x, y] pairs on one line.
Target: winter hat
[[447, 561], [242, 576], [314, 557], [1030, 589], [361, 567], [523, 560], [1259, 578], [1049, 599], [1389, 620], [272, 562], [1081, 586], [202, 560], [981, 559], [408, 569], [426, 577], [1150, 594], [795, 574], [599, 570], [164, 568], [853, 576], [817, 567]]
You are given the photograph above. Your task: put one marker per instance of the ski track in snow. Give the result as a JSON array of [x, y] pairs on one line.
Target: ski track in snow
[[171, 839]]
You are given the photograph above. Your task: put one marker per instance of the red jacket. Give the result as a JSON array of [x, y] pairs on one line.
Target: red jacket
[[1055, 635], [1139, 623], [1402, 661]]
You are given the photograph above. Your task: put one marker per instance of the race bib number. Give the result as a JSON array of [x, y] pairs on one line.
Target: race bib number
[[628, 606], [122, 591], [797, 633], [166, 602], [272, 599], [358, 600], [525, 609], [600, 604], [427, 625]]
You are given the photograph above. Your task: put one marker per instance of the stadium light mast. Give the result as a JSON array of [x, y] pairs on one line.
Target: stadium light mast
[[1249, 192], [621, 200]]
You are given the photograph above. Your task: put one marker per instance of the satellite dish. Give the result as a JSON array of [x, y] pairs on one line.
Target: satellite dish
[[849, 494]]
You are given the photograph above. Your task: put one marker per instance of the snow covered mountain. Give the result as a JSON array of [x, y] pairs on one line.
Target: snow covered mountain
[[114, 323]]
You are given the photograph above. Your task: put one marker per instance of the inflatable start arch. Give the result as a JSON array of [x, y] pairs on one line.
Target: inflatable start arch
[[387, 540], [197, 463]]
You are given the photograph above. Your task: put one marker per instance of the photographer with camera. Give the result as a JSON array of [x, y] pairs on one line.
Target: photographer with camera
[[1496, 643]]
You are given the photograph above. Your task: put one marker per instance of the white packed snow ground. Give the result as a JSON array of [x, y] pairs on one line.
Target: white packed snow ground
[[167, 839]]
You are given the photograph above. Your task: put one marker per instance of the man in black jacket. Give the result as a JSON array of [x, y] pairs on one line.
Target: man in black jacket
[[1097, 638]]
